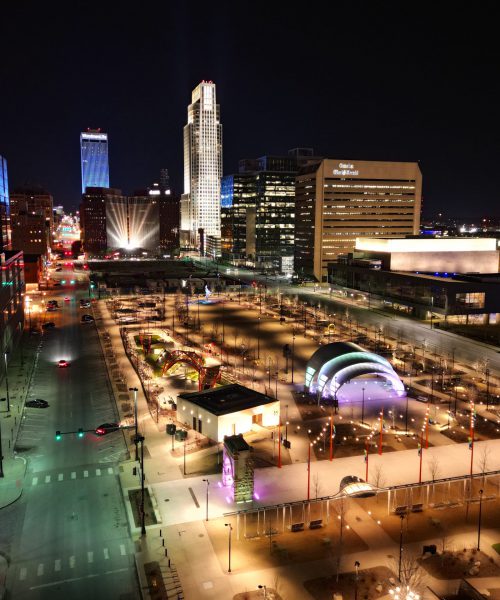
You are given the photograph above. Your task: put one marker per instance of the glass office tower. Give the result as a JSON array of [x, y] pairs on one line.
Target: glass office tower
[[4, 206], [94, 153]]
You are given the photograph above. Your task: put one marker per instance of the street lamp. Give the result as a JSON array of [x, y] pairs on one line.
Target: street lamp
[[135, 390], [400, 546], [208, 483], [263, 587], [6, 381], [356, 566], [479, 519], [229, 547], [363, 406]]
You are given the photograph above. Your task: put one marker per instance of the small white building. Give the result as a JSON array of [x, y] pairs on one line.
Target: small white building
[[227, 410]]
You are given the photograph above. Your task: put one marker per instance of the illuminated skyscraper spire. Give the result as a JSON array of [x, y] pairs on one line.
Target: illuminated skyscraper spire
[[200, 203], [94, 153]]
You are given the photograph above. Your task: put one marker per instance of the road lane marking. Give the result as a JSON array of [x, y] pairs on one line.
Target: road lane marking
[[71, 562], [110, 471], [85, 473], [90, 557], [98, 472], [106, 554], [73, 475], [122, 549], [47, 478], [35, 481], [57, 564], [60, 477], [22, 573], [73, 579], [39, 571]]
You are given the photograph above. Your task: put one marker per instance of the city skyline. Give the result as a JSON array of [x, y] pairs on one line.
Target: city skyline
[[421, 93]]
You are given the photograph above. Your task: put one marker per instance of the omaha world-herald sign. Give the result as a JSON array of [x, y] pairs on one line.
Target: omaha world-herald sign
[[345, 169]]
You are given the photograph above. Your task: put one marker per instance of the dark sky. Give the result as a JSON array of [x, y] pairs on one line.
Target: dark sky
[[353, 80]]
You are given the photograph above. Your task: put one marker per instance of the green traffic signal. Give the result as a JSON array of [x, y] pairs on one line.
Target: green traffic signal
[[58, 436], [72, 282], [80, 432], [63, 281]]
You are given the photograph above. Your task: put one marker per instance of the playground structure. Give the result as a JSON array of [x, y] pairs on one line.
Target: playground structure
[[208, 374]]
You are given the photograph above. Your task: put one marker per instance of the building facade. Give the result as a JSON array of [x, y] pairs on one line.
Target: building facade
[[425, 277], [94, 159], [11, 302], [4, 206], [258, 211], [338, 201], [93, 219], [32, 220], [200, 203]]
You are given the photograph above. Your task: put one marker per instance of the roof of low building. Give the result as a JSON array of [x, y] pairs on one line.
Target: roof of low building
[[236, 443], [227, 399]]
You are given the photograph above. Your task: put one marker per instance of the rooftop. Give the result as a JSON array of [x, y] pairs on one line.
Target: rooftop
[[227, 399], [426, 244]]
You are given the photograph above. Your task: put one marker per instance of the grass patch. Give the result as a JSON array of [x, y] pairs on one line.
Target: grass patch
[[496, 547]]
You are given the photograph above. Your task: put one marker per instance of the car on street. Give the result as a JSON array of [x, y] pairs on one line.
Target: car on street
[[87, 319], [51, 308], [38, 403], [107, 428], [67, 298], [58, 269], [63, 363], [34, 331], [48, 325]]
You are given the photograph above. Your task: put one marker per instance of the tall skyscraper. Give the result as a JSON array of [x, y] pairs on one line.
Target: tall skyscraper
[[95, 164], [200, 203], [4, 206]]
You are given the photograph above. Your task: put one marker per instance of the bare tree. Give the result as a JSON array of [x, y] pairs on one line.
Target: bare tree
[[316, 486], [484, 460], [341, 508], [412, 574], [434, 467], [377, 476]]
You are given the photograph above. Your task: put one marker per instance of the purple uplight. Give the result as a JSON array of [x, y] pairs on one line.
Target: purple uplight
[[256, 496]]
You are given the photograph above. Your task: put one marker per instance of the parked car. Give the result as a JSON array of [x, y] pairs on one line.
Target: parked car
[[63, 363], [48, 325], [87, 319], [38, 403]]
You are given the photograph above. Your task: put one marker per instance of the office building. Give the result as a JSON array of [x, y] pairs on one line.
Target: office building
[[424, 276], [200, 203], [11, 302], [29, 233], [4, 206], [258, 211], [93, 219], [338, 201], [33, 201], [94, 158]]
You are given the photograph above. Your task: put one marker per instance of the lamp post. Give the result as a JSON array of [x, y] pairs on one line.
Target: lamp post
[[356, 566], [400, 546], [258, 338], [332, 427], [229, 547], [363, 406], [263, 587], [1, 453], [420, 453], [479, 519], [208, 483], [135, 390], [6, 381], [293, 351], [140, 438], [381, 431], [366, 459], [309, 472]]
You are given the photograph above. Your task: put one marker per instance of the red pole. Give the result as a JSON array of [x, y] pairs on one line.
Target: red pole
[[471, 439], [279, 444], [427, 428], [421, 452], [331, 437], [381, 426], [366, 460], [309, 472]]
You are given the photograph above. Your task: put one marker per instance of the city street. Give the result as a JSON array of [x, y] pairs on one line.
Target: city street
[[71, 535]]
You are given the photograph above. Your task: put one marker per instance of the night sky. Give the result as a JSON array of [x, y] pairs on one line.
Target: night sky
[[352, 80]]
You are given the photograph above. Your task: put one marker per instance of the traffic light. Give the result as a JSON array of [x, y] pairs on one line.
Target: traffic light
[[80, 432], [72, 282], [63, 281], [58, 436]]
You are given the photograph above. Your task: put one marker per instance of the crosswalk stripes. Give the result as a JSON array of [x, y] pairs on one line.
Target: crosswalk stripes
[[36, 480], [71, 562]]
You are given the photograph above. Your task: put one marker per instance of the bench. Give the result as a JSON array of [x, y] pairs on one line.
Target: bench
[[297, 527], [401, 510], [417, 507], [317, 524]]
